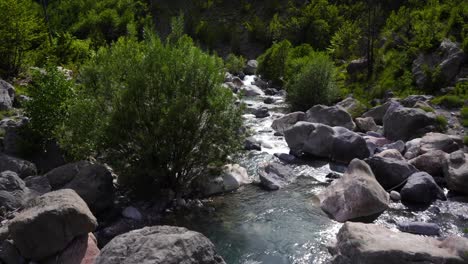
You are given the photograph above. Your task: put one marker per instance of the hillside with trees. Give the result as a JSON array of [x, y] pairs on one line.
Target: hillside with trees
[[271, 128]]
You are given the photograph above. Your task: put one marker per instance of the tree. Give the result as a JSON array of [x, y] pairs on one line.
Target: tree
[[21, 31], [165, 117], [313, 83]]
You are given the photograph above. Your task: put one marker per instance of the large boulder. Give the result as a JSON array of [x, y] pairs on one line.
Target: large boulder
[[356, 194], [275, 176], [412, 100], [93, 182], [22, 167], [456, 172], [82, 250], [14, 139], [374, 244], [232, 177], [407, 123], [421, 189], [390, 172], [7, 96], [431, 162], [438, 141], [377, 113], [287, 121], [330, 115], [13, 190], [448, 58], [251, 67], [160, 245], [352, 106], [336, 143], [348, 145], [413, 148], [251, 90], [365, 124], [49, 223], [39, 185]]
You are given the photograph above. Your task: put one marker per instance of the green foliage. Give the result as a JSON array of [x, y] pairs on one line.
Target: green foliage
[[464, 116], [465, 141], [47, 109], [441, 123], [313, 84], [21, 32], [68, 50], [272, 63], [234, 64], [427, 109], [101, 21], [450, 101], [164, 116], [345, 42]]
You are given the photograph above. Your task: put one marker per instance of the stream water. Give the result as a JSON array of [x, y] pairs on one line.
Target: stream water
[[253, 226]]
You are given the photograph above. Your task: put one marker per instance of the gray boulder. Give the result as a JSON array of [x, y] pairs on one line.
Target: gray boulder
[[7, 96], [275, 176], [160, 245], [251, 90], [431, 162], [261, 112], [93, 182], [38, 184], [438, 141], [391, 154], [82, 250], [366, 124], [49, 223], [412, 100], [397, 145], [330, 115], [336, 143], [413, 148], [419, 228], [408, 123], [390, 172], [13, 190], [357, 66], [22, 167], [287, 121], [348, 145], [377, 113], [13, 139], [9, 254], [374, 244], [232, 177], [421, 189], [356, 194], [251, 67], [449, 58], [352, 106], [456, 172]]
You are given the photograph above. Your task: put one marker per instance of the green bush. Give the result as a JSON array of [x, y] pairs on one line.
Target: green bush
[[314, 84], [464, 115], [234, 64], [465, 141], [450, 101], [427, 109], [164, 117], [441, 123], [272, 63], [50, 93]]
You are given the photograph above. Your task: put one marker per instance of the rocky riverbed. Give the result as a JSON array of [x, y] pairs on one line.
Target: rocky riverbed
[[306, 185]]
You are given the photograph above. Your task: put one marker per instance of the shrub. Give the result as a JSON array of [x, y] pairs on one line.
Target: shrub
[[465, 141], [234, 64], [450, 101], [427, 109], [464, 115], [50, 92], [272, 63], [314, 84], [441, 123], [169, 118]]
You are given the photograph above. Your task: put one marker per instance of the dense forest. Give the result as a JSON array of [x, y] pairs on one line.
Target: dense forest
[[161, 92]]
